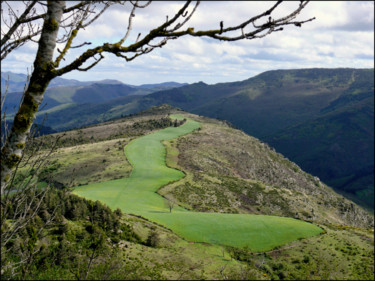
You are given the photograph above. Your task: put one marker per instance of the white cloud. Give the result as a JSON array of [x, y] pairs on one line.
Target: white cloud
[[341, 36]]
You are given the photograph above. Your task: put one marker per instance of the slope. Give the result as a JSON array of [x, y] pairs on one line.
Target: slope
[[338, 147], [137, 195], [273, 102], [226, 171]]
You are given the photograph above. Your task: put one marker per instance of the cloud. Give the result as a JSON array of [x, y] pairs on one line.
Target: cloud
[[276, 56], [341, 15], [358, 17], [341, 36]]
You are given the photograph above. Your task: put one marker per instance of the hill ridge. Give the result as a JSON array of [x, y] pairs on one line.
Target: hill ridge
[[150, 172], [239, 173]]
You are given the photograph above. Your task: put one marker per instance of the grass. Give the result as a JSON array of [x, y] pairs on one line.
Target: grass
[[137, 195], [329, 256]]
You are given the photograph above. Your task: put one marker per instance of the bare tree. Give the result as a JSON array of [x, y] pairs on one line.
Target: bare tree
[[51, 22], [20, 204]]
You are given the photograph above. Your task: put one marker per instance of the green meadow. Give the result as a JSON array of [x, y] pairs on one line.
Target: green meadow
[[137, 195]]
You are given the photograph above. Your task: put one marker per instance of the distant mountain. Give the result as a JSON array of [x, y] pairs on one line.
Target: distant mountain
[[320, 118], [13, 82], [63, 93], [16, 82], [65, 96], [165, 85]]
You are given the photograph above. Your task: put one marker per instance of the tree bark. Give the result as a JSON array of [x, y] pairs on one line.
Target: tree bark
[[43, 73]]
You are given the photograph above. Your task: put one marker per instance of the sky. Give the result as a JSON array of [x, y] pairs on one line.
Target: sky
[[342, 35]]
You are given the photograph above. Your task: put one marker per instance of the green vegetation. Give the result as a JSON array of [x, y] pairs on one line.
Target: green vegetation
[[96, 154], [340, 254], [225, 171], [347, 124], [228, 171], [136, 195], [69, 238], [140, 249], [319, 116]]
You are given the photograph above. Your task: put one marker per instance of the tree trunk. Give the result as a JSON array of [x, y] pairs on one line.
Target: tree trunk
[[43, 73]]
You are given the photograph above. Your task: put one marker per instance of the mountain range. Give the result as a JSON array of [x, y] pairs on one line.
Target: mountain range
[[322, 119], [62, 93]]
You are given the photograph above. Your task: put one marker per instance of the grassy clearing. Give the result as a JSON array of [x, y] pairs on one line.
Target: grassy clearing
[[137, 195], [178, 258], [343, 253]]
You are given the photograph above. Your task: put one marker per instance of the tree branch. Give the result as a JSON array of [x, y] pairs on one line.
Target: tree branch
[[93, 64], [17, 23]]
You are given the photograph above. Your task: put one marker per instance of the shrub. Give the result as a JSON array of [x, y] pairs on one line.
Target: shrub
[[153, 239], [306, 259]]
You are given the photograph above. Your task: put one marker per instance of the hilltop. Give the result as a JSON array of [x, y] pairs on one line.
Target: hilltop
[[231, 171]]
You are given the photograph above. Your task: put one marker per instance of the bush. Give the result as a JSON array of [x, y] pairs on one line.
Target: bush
[[153, 239], [306, 259]]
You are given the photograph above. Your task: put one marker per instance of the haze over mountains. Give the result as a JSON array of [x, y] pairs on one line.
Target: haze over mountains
[[322, 119], [62, 93]]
